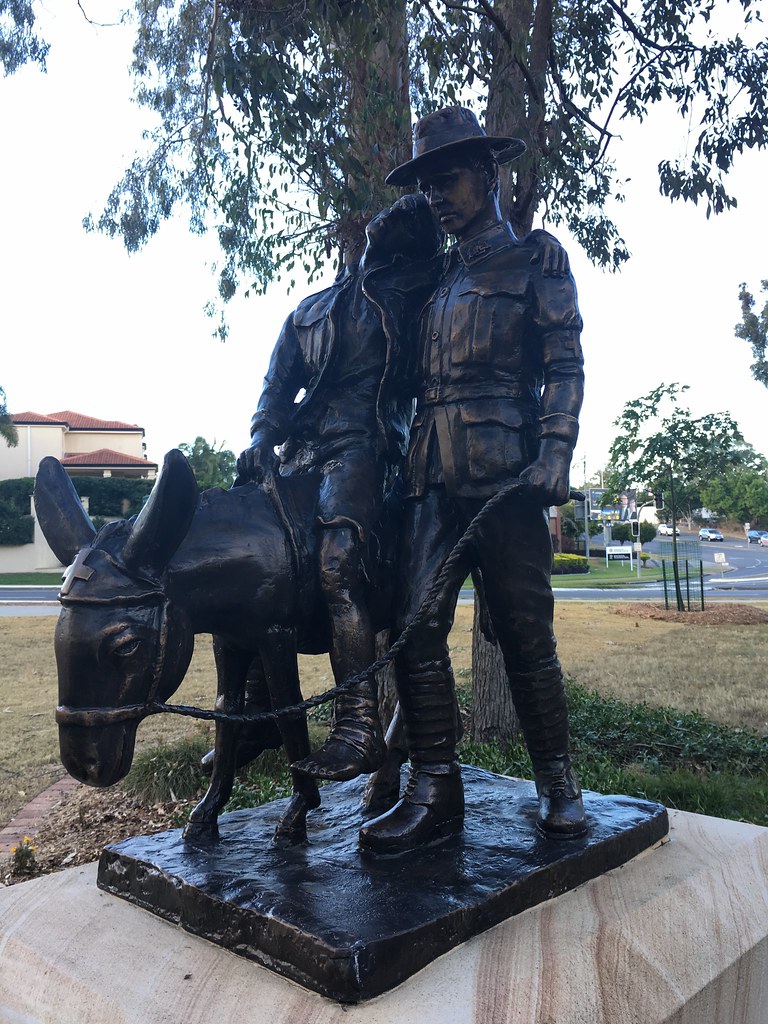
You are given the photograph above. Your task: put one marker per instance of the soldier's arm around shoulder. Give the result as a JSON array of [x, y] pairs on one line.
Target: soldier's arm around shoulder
[[547, 254]]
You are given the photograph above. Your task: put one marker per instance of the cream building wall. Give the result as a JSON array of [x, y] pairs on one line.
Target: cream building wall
[[35, 442], [34, 557], [78, 442]]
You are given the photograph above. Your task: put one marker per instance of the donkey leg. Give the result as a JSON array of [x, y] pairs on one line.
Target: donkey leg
[[252, 739], [232, 668], [281, 668]]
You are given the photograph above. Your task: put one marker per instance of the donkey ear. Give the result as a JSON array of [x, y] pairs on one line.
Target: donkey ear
[[164, 521], [60, 513]]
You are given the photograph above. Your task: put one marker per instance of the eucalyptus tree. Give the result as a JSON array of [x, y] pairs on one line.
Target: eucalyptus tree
[[275, 121], [278, 119]]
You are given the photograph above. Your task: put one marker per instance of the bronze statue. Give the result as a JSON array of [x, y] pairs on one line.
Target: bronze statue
[[349, 431], [497, 374], [486, 339]]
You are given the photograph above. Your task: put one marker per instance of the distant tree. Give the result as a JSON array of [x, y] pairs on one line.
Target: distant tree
[[8, 431], [754, 329], [738, 494], [214, 467], [621, 532], [647, 533], [658, 437]]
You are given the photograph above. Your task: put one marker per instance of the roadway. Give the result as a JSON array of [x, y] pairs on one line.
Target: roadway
[[744, 578]]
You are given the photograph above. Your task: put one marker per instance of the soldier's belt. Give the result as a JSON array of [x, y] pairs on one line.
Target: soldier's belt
[[442, 393]]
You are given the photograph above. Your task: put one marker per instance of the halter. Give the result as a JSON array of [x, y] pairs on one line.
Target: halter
[[80, 571]]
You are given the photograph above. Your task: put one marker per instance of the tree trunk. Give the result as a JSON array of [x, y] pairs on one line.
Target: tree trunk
[[493, 713], [516, 102], [379, 117]]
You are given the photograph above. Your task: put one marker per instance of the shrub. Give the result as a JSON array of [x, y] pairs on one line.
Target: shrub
[[565, 564], [15, 495], [17, 530], [647, 533], [169, 771], [113, 496]]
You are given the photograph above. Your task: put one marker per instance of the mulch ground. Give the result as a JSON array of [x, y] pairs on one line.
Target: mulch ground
[[714, 615], [75, 830]]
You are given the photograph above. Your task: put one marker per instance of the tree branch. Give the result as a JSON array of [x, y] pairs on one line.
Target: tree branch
[[444, 29]]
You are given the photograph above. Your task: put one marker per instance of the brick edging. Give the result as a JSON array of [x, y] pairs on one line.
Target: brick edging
[[31, 816]]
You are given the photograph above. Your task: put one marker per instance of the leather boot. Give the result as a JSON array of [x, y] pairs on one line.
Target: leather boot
[[561, 810], [355, 745], [431, 809], [539, 699]]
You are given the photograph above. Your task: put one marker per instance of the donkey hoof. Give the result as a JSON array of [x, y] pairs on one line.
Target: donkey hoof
[[289, 835], [201, 832]]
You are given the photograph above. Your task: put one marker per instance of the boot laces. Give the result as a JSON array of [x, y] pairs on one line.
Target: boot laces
[[560, 784]]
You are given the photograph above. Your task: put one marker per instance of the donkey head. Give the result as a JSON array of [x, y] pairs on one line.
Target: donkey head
[[120, 644]]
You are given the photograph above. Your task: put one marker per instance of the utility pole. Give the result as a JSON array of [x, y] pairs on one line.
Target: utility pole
[[586, 512], [675, 566]]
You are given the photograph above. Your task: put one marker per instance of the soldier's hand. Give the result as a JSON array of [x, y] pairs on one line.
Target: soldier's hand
[[547, 478], [257, 462], [553, 257]]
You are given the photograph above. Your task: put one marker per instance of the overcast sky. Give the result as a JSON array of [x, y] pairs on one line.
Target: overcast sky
[[88, 328]]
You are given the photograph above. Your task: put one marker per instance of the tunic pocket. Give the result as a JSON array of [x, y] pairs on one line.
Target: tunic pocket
[[487, 321], [495, 438]]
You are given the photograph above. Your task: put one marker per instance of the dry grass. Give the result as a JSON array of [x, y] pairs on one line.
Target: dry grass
[[720, 671]]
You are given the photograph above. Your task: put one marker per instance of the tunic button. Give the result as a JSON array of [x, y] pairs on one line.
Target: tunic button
[[435, 335], [443, 291]]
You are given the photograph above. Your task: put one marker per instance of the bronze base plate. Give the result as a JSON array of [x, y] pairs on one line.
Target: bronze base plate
[[351, 925]]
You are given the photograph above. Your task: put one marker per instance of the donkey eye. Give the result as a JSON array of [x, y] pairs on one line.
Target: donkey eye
[[126, 646]]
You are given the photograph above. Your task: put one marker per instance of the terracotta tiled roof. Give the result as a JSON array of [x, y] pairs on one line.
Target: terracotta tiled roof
[[78, 421], [35, 417], [73, 420], [105, 457]]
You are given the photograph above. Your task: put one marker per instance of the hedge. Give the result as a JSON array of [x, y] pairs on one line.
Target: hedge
[[15, 495], [113, 495], [108, 496], [563, 565], [18, 530]]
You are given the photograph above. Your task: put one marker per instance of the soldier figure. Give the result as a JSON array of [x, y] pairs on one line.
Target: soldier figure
[[349, 428], [498, 380]]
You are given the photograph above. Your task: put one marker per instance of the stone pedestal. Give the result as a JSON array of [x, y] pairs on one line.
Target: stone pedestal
[[677, 935]]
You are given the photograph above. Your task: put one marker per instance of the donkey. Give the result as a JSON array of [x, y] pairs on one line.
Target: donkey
[[136, 592]]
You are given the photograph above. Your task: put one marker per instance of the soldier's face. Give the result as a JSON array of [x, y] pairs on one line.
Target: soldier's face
[[458, 195]]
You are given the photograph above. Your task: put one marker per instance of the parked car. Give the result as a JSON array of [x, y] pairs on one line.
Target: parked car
[[753, 536], [763, 540], [708, 533], [665, 530]]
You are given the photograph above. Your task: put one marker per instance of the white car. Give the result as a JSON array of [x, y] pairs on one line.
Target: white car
[[665, 530], [710, 534], [763, 542]]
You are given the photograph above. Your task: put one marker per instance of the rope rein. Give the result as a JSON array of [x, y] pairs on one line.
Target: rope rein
[[443, 578]]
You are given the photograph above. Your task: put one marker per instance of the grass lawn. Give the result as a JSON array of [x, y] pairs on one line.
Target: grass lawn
[[32, 579], [719, 671], [616, 573]]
